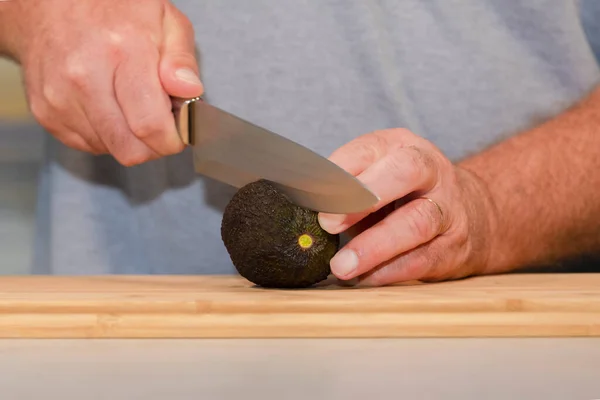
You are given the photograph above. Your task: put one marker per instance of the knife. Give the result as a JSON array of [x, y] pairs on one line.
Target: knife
[[237, 152]]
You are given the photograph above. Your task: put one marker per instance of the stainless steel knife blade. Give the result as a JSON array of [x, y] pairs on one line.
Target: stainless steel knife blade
[[237, 152]]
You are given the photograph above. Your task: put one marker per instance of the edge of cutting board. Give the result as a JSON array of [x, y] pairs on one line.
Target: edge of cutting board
[[516, 305]]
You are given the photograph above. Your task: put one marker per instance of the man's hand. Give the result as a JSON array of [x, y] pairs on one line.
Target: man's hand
[[528, 201], [434, 220], [99, 73]]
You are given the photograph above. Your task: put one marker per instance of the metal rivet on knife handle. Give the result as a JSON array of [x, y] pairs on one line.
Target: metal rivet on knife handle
[[184, 118]]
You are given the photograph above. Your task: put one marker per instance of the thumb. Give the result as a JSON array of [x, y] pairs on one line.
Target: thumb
[[178, 67]]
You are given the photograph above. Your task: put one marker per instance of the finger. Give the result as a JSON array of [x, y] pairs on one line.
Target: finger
[[54, 91], [78, 142], [74, 120], [42, 112], [358, 154], [179, 72], [144, 103], [86, 131], [52, 109], [414, 265], [427, 263], [399, 173], [370, 220], [406, 228], [105, 115], [98, 100], [72, 140]]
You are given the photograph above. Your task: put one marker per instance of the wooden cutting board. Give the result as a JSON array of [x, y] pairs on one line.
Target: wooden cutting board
[[231, 307]]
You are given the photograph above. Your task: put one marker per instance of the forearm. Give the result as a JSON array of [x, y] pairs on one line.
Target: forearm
[[544, 185]]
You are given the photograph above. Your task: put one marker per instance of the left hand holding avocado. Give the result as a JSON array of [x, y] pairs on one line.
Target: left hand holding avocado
[[434, 220]]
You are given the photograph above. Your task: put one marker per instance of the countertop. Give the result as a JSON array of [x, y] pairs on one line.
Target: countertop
[[344, 369], [127, 367]]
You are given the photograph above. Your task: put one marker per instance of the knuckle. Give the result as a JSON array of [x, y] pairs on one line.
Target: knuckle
[[421, 166], [413, 173], [126, 149], [368, 148], [419, 159], [116, 43], [76, 72], [147, 127], [115, 50], [154, 39], [438, 159], [115, 38], [402, 168], [39, 110], [53, 97], [379, 139]]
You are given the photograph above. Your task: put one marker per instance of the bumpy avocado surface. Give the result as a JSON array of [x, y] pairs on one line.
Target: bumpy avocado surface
[[273, 242]]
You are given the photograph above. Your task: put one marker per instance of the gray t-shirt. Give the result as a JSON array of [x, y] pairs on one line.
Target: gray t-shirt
[[462, 73]]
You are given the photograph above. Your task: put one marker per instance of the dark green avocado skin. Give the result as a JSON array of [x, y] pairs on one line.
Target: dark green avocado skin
[[260, 230]]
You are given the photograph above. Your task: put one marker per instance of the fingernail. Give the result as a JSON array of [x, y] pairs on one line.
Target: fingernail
[[331, 222], [187, 75], [344, 263]]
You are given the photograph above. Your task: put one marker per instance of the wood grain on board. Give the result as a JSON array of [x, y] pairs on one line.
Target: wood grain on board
[[517, 305]]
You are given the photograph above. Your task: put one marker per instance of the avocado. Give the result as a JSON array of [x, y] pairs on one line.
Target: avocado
[[274, 243]]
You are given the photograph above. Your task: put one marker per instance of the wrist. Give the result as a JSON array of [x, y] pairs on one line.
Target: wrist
[[489, 248]]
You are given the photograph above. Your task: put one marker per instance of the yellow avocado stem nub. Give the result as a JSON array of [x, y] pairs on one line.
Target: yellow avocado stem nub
[[305, 241]]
